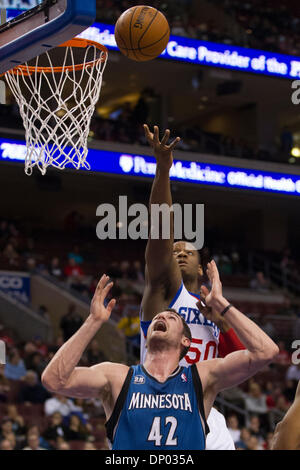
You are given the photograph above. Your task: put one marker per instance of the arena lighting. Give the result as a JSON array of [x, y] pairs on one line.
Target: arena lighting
[[295, 152], [116, 163]]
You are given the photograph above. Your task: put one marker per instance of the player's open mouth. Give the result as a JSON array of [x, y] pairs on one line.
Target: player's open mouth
[[160, 326]]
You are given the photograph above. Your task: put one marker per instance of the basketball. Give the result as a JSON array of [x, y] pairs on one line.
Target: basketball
[[142, 33]]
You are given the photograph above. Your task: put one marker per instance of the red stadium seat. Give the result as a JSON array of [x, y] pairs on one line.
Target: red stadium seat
[[76, 445], [14, 391], [39, 421], [3, 407], [99, 435], [26, 410], [97, 422]]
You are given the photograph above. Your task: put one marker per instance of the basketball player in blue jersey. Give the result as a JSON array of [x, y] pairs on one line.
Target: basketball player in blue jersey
[[172, 277], [159, 405]]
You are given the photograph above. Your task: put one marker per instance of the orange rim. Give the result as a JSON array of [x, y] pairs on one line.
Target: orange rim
[[76, 42]]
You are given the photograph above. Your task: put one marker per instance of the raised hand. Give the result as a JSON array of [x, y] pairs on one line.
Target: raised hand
[[162, 152], [211, 300], [98, 310], [212, 297]]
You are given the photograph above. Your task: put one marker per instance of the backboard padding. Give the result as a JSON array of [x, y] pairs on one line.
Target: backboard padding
[[46, 26]]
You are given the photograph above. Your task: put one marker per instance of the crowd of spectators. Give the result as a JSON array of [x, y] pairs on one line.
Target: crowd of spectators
[[264, 405], [33, 419], [77, 267], [256, 24], [271, 26], [179, 13], [285, 266]]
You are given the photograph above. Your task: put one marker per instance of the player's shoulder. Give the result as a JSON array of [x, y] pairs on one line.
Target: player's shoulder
[[206, 370], [208, 365]]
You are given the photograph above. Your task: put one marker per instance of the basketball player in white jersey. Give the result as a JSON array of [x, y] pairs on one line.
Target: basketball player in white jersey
[[172, 281]]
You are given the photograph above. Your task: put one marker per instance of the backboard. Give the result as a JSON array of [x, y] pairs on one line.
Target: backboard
[[43, 25]]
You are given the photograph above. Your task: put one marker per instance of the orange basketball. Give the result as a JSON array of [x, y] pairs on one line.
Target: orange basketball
[[142, 33]]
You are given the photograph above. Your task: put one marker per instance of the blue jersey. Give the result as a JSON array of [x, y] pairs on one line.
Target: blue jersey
[[150, 415]]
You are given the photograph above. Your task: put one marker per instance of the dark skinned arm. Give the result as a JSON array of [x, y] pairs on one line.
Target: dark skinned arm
[[287, 432], [163, 277]]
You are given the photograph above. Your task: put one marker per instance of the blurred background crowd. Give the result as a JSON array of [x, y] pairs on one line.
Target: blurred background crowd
[[252, 236]]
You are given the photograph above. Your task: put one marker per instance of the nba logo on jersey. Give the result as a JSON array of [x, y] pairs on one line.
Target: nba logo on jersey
[[184, 378], [139, 379]]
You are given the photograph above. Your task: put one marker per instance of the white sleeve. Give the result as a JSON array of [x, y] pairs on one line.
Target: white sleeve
[[50, 407], [143, 348], [72, 407], [219, 438]]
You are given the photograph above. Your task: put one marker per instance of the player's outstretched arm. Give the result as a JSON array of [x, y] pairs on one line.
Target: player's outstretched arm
[[240, 365], [287, 432], [61, 375], [159, 251]]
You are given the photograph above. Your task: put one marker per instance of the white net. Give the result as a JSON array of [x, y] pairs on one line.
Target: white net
[[57, 94]]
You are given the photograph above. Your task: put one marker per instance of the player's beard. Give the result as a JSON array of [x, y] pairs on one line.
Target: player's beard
[[159, 343]]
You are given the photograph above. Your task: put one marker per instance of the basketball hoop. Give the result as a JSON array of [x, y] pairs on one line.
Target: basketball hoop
[[57, 103]]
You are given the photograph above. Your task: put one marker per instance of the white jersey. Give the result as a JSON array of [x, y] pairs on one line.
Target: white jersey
[[205, 340], [219, 438]]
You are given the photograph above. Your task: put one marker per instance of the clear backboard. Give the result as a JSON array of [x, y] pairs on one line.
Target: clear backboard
[[39, 26]]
